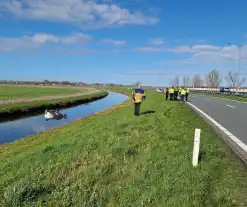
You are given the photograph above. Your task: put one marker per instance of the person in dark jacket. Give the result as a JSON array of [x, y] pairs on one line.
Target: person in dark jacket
[[167, 93]]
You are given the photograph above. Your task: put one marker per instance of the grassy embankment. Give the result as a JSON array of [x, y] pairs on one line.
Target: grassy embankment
[[243, 99], [115, 159], [14, 92], [33, 106]]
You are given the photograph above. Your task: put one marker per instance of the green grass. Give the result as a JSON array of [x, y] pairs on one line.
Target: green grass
[[26, 106], [13, 92], [244, 99], [115, 159]]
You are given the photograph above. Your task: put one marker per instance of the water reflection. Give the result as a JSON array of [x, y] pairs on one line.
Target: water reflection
[[13, 130]]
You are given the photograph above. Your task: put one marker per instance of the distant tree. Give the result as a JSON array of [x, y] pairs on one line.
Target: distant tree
[[175, 81], [197, 81], [186, 81], [234, 79], [213, 79]]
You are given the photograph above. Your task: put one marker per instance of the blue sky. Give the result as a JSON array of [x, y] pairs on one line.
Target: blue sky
[[120, 41]]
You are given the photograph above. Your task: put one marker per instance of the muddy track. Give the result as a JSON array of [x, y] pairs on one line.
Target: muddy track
[[43, 98]]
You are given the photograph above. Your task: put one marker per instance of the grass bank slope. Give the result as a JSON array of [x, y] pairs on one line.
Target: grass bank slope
[[115, 159], [23, 108], [14, 92]]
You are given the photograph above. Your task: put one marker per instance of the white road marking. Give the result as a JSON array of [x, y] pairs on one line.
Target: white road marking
[[230, 106], [223, 129]]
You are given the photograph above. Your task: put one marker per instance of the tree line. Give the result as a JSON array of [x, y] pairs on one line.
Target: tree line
[[212, 79]]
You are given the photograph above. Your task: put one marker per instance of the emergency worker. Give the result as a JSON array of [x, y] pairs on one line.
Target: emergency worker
[[187, 94], [179, 91], [138, 96], [171, 92], [176, 93], [183, 93], [167, 93]]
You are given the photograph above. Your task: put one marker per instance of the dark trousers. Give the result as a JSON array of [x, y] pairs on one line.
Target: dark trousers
[[171, 96], [182, 97], [175, 95], [137, 109], [186, 96], [167, 94]]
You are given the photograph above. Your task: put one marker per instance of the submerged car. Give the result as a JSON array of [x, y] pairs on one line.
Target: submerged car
[[54, 114]]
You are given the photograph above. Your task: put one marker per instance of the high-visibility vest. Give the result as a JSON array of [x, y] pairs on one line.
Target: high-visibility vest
[[183, 92], [171, 90], [138, 95], [187, 90]]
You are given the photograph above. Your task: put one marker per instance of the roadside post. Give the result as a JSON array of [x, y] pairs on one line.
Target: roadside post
[[196, 147]]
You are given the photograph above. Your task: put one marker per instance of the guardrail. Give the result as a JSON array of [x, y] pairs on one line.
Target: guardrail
[[242, 92]]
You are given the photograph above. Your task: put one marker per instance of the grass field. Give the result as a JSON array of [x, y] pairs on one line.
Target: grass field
[[244, 99], [115, 159], [13, 92], [26, 106], [45, 97]]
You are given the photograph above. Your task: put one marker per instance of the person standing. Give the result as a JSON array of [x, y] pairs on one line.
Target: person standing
[[183, 93], [167, 93], [138, 96], [187, 94], [171, 92], [179, 91], [176, 93]]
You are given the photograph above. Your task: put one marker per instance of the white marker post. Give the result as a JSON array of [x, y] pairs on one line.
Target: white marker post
[[196, 147]]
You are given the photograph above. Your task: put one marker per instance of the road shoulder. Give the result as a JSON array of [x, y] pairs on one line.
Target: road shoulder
[[233, 142]]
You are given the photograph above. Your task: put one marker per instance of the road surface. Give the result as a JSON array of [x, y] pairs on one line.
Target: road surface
[[231, 114]]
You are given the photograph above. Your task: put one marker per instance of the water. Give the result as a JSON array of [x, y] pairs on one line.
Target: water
[[14, 130]]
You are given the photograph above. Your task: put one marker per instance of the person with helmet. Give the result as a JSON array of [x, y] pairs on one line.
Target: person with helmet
[[171, 92], [138, 96]]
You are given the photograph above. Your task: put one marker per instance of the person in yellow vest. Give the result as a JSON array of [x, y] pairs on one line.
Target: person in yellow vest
[[138, 96], [187, 94], [176, 93], [183, 93], [171, 92], [179, 91]]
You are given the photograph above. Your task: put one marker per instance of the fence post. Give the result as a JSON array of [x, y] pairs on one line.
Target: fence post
[[196, 147]]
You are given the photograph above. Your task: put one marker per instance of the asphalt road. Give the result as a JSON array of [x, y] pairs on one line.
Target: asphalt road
[[230, 114]]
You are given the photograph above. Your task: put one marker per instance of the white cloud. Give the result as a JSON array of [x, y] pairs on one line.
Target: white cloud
[[156, 41], [150, 49], [15, 43], [194, 49], [83, 12], [114, 42], [212, 54], [181, 49]]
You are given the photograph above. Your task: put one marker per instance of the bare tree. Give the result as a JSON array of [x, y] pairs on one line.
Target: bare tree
[[197, 81], [234, 79], [186, 81], [175, 81], [213, 79]]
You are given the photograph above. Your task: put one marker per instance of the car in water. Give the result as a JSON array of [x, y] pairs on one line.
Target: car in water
[[54, 114]]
